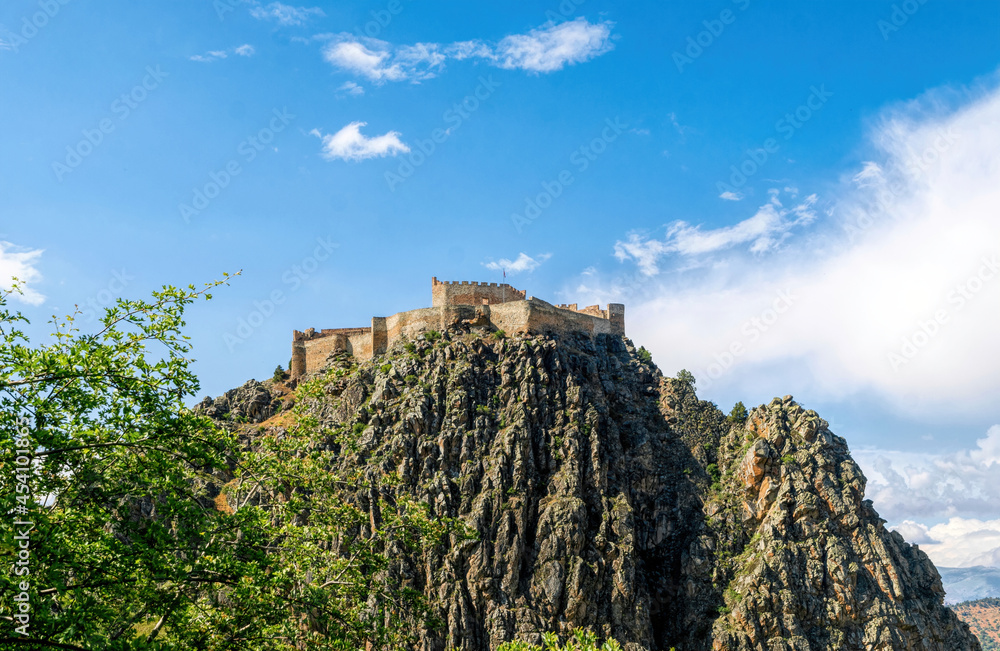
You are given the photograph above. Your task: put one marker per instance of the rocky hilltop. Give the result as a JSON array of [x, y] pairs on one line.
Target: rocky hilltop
[[607, 496]]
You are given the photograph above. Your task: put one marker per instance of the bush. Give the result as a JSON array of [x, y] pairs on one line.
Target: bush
[[644, 355], [498, 334], [716, 476], [432, 335], [581, 640], [686, 376]]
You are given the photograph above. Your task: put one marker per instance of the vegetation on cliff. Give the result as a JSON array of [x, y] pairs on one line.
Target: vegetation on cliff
[[465, 490], [140, 524]]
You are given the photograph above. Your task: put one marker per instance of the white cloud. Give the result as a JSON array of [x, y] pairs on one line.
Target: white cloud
[[209, 56], [544, 49], [468, 50], [911, 236], [728, 195], [380, 61], [351, 88], [20, 263], [283, 14], [245, 50], [524, 262], [959, 542], [350, 144], [764, 231], [552, 46], [927, 486], [914, 489]]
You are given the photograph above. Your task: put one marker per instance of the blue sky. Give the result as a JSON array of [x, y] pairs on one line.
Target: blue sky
[[789, 197]]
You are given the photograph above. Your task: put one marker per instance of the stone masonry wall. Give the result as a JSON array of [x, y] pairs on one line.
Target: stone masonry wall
[[615, 314], [466, 293]]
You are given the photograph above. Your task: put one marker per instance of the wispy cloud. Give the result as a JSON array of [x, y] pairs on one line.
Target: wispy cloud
[[731, 196], [545, 49], [350, 144], [18, 262], [379, 61], [351, 88], [896, 279], [523, 263], [285, 15], [551, 47], [245, 50], [763, 232]]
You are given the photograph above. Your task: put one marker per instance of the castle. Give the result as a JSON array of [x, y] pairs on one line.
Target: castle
[[477, 304]]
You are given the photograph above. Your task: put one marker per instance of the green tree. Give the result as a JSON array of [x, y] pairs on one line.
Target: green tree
[[686, 376], [739, 414], [131, 544], [644, 355]]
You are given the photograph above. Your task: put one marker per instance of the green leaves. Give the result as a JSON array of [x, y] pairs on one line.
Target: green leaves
[[122, 519], [580, 640], [155, 528]]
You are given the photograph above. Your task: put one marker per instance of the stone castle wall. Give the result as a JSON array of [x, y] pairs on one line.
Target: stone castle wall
[[479, 304], [466, 293]]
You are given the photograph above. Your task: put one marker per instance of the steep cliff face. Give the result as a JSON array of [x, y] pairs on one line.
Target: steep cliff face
[[606, 496]]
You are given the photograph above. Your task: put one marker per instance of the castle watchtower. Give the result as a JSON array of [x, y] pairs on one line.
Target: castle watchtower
[[616, 315], [466, 293]]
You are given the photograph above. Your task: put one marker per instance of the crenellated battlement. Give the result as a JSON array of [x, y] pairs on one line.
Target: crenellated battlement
[[473, 283], [496, 305], [465, 292], [312, 333]]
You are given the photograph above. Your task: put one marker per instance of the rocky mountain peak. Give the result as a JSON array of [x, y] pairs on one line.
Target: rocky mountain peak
[[607, 496]]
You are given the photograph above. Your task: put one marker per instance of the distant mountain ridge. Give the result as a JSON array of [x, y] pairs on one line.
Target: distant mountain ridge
[[970, 583]]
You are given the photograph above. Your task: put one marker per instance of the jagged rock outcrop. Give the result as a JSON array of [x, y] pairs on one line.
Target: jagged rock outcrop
[[250, 403], [607, 496]]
